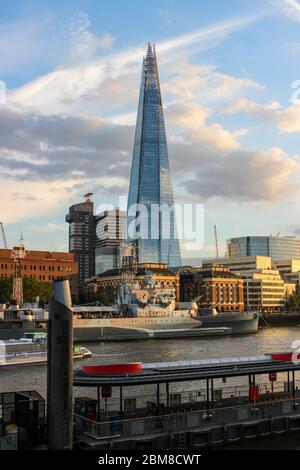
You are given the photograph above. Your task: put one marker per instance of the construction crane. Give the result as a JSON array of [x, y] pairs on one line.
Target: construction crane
[[3, 235], [216, 242]]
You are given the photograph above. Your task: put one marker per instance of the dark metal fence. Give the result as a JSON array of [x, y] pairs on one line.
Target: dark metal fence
[[117, 427]]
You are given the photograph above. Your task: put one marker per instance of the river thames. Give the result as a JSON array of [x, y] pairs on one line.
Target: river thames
[[267, 340], [34, 377]]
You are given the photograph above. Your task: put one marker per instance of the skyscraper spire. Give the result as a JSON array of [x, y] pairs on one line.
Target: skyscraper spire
[[150, 180], [149, 50]]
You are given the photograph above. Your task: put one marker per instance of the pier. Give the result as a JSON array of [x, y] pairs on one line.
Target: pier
[[204, 416]]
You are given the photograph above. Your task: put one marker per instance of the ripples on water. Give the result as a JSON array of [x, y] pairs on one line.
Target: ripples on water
[[33, 377]]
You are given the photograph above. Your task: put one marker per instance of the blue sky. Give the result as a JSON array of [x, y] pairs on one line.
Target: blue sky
[[72, 72]]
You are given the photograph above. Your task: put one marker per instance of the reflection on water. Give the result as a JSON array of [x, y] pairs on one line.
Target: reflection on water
[[279, 339], [33, 377]]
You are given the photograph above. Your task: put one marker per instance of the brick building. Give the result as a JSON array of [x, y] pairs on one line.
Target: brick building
[[109, 281], [215, 286], [43, 266]]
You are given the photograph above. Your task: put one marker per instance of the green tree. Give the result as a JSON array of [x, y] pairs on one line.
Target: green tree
[[34, 288], [100, 296], [5, 289], [293, 302]]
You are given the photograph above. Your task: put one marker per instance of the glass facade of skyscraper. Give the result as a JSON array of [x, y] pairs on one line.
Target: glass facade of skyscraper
[[275, 247], [150, 180]]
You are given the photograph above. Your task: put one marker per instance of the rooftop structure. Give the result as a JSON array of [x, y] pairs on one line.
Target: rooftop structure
[[241, 263]]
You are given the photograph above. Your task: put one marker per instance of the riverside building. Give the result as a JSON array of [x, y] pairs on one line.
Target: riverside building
[[274, 246]]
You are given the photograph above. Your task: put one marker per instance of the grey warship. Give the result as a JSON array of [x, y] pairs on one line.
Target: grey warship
[[149, 311]]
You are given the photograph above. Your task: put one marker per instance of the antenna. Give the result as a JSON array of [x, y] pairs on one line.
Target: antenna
[[216, 242], [88, 197]]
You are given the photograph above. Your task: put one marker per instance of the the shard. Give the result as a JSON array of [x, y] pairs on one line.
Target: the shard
[[150, 180]]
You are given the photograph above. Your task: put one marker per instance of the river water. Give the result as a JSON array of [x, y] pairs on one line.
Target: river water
[[33, 377]]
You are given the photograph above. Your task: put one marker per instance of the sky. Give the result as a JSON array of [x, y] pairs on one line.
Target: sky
[[230, 81]]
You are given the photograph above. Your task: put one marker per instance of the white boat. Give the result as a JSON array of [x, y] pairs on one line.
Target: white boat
[[31, 349]]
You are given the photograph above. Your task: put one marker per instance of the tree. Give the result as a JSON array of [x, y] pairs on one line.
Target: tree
[[293, 302], [99, 296], [5, 289], [32, 289]]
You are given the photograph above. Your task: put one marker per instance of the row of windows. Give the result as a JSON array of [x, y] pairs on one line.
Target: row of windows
[[40, 277], [37, 268]]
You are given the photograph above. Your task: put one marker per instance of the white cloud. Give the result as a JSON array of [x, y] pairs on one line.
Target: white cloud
[[247, 176], [82, 42], [201, 83], [264, 111], [106, 41], [191, 121], [29, 199], [70, 85], [289, 119], [290, 8], [51, 151]]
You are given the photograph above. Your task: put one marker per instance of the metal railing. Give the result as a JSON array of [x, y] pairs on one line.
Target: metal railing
[[117, 427], [197, 396]]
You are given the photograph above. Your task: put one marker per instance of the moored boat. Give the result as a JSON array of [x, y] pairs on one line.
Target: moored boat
[[30, 349]]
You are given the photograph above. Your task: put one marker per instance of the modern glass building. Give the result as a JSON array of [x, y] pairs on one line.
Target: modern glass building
[[153, 230], [110, 230], [275, 247], [82, 237]]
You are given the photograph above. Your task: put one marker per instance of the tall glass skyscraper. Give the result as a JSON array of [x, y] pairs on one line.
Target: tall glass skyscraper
[[150, 180]]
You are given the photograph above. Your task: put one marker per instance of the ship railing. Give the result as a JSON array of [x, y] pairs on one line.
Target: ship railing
[[180, 399], [116, 427]]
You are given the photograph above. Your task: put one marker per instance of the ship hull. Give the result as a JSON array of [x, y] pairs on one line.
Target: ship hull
[[124, 329]]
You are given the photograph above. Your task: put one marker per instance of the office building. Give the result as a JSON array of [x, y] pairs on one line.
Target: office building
[[274, 246], [110, 232], [150, 180], [241, 263], [289, 269], [264, 290], [45, 266], [81, 222]]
